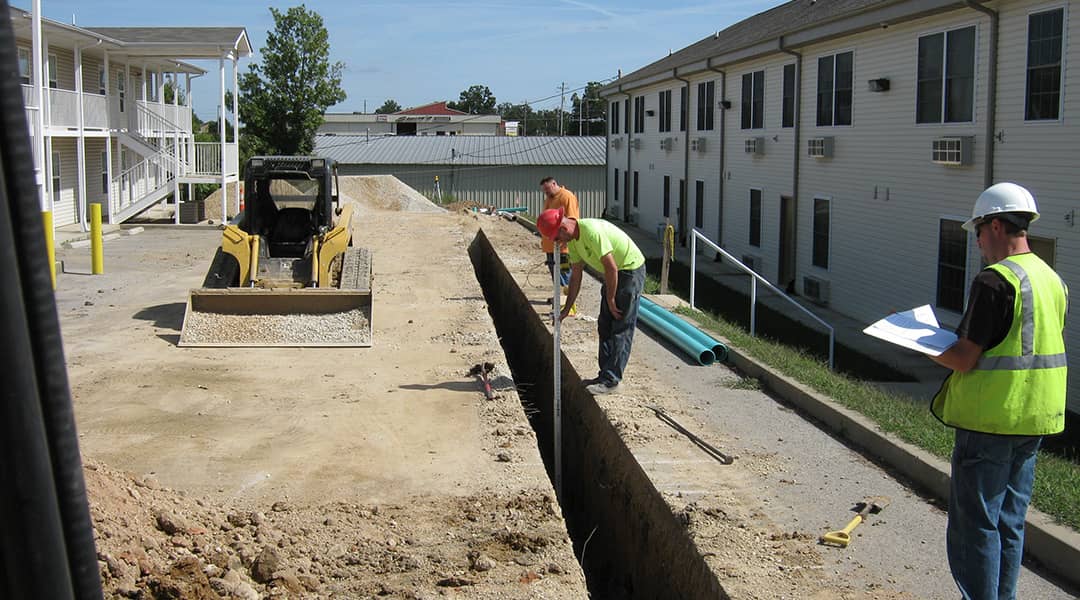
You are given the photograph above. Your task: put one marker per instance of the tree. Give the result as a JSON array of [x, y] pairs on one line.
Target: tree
[[477, 100], [390, 106], [284, 98]]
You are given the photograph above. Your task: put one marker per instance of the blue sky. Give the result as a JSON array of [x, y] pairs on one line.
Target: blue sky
[[423, 51]]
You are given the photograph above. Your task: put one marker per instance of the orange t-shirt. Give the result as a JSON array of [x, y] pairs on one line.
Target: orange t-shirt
[[566, 200]]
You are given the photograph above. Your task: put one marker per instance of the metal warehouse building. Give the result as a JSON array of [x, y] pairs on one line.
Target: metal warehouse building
[[490, 170]]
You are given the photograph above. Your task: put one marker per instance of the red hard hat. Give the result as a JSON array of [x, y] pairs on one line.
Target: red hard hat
[[549, 221]]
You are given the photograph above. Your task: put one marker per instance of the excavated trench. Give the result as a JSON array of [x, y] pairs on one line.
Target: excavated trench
[[625, 536]]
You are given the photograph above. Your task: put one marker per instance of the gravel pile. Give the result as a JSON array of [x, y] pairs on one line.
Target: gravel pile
[[384, 192], [349, 327]]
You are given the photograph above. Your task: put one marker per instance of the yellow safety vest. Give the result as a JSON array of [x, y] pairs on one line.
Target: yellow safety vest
[[1018, 386]]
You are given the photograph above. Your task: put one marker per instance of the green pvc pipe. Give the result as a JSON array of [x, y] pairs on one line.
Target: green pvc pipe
[[695, 348], [719, 350]]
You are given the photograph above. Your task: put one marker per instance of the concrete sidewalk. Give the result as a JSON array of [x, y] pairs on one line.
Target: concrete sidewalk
[[926, 375]]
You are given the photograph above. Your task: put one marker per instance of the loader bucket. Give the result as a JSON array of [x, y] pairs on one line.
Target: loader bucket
[[252, 317]]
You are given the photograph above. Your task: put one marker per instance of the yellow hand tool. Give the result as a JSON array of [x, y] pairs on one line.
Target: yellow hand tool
[[843, 537]]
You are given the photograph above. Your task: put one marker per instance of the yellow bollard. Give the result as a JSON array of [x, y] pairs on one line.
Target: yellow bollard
[[50, 244], [97, 255]]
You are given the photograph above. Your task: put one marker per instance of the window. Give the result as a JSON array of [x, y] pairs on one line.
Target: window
[[635, 188], [1044, 248], [616, 185], [683, 100], [105, 171], [753, 100], [667, 196], [755, 218], [613, 120], [102, 80], [24, 66], [821, 233], [834, 87], [53, 83], [665, 110], [56, 178], [787, 118], [626, 115], [699, 204], [952, 258], [626, 183], [120, 89], [1043, 99], [946, 72], [639, 114], [706, 97]]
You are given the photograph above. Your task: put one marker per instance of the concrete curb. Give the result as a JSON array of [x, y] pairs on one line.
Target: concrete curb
[[83, 241], [1055, 546]]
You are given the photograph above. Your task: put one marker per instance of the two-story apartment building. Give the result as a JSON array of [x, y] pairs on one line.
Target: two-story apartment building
[[103, 129], [837, 146]]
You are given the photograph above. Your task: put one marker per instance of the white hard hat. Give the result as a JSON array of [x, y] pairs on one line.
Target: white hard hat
[[1002, 198]]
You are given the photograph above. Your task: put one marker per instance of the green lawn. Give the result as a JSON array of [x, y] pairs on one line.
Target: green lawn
[[1057, 480]]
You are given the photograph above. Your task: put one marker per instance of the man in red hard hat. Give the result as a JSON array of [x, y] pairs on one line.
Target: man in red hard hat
[[605, 248]]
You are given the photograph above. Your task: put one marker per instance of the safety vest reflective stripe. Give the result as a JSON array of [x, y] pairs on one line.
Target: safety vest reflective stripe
[[1021, 363]]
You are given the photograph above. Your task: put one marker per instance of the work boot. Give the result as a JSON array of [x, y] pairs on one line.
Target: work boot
[[565, 290], [603, 387]]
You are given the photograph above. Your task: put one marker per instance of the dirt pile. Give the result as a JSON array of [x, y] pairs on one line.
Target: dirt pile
[[384, 192], [158, 543]]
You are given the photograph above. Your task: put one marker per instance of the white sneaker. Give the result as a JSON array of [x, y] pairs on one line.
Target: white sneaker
[[602, 387]]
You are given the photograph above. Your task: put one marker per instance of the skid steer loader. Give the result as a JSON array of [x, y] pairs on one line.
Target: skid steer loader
[[286, 273]]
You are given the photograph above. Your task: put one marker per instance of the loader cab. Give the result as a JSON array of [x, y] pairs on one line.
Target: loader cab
[[287, 201]]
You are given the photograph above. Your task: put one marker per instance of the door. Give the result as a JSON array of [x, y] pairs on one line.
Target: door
[[788, 231]]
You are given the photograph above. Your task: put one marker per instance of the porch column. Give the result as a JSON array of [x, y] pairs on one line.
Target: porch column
[[236, 109], [37, 128], [108, 142], [191, 136], [176, 148], [80, 141], [221, 132]]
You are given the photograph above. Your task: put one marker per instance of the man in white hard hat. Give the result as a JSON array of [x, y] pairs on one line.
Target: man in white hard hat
[[1006, 391]]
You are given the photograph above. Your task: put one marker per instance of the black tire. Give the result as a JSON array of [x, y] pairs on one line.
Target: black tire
[[224, 271], [356, 270]]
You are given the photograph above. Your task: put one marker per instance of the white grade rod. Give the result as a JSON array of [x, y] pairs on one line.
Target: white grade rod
[[556, 306]]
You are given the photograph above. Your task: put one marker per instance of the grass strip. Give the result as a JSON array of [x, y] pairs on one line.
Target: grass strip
[[1057, 479]]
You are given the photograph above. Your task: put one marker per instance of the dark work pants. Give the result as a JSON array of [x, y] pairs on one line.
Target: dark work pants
[[564, 273], [617, 335]]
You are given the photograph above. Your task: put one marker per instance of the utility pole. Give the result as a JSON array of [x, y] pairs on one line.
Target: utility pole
[[562, 102], [580, 98], [525, 126]]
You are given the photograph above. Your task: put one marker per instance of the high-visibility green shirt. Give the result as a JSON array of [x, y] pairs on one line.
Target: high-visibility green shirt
[[597, 238], [1018, 386]]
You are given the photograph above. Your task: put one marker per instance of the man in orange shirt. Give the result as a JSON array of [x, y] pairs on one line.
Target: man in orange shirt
[[556, 196]]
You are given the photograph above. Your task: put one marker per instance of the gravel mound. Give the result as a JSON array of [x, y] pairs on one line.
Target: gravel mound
[[384, 192], [349, 327]]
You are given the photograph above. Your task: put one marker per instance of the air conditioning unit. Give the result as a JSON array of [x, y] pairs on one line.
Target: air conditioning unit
[[698, 144], [752, 262], [755, 146], [635, 143], [616, 143], [816, 289], [952, 151], [820, 147], [666, 144]]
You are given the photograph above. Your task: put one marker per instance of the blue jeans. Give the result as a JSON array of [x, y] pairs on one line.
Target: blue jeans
[[617, 335], [992, 476], [564, 274]]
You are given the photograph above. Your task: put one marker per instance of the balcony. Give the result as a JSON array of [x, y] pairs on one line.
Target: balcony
[[149, 119]]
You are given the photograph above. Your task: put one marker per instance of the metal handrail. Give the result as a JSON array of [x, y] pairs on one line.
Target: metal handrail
[[754, 278]]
